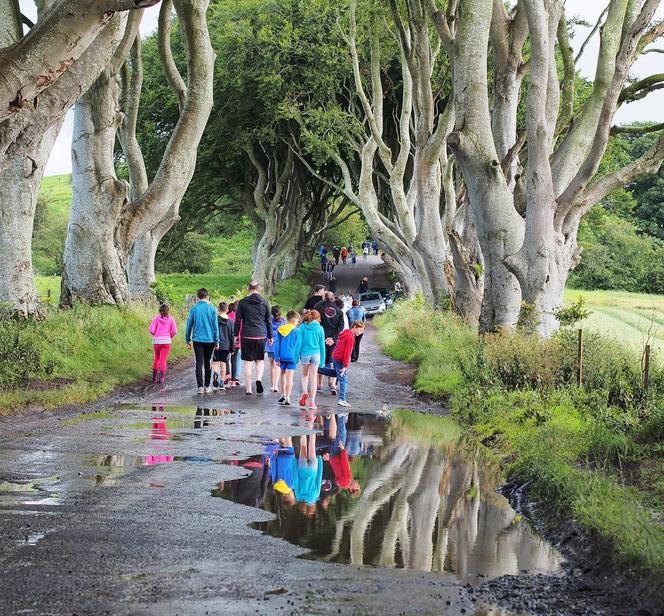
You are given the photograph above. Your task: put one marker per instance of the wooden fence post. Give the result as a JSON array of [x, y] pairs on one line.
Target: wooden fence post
[[646, 367], [579, 359]]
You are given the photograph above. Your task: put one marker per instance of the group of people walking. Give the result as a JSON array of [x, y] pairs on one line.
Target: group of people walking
[[323, 339]]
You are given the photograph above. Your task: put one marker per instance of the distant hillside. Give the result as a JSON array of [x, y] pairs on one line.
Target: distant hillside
[[48, 238]]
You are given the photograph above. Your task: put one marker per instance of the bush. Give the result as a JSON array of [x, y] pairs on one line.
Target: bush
[[20, 354], [193, 255]]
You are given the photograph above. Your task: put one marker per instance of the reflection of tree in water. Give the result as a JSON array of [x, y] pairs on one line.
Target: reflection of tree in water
[[421, 507]]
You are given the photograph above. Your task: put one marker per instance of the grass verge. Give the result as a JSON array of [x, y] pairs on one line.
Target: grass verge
[[517, 395]]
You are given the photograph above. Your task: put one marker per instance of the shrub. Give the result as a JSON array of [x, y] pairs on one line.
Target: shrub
[[20, 354]]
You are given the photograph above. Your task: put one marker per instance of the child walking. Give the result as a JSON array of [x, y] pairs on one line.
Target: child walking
[[163, 330], [277, 322], [311, 356], [341, 359], [226, 347], [286, 354]]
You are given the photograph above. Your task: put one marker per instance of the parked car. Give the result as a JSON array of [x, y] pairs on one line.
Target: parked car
[[373, 303], [388, 296]]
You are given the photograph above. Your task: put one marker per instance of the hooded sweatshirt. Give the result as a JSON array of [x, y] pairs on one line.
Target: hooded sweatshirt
[[226, 341], [163, 329], [344, 348], [275, 326], [253, 317], [202, 325], [312, 341], [287, 343]]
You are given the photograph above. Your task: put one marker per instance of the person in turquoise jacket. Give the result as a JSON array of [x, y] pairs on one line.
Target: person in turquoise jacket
[[285, 354], [311, 354], [203, 331], [308, 474]]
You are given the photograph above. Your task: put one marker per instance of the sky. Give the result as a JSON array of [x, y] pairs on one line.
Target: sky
[[650, 108]]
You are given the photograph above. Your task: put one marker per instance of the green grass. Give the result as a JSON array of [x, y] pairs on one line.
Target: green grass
[[56, 191], [516, 395]]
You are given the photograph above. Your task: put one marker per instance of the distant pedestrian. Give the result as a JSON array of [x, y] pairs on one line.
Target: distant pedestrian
[[277, 321], [363, 287], [336, 253], [163, 330], [226, 348], [374, 245], [330, 268], [332, 285], [353, 258], [357, 313], [344, 255], [203, 331], [365, 252], [286, 354], [323, 263], [252, 328], [316, 296], [341, 360]]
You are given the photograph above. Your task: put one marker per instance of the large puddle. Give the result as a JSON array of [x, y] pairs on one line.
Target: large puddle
[[411, 494]]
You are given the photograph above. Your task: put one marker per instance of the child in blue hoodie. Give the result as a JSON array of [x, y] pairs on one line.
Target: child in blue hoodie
[[277, 321], [286, 354]]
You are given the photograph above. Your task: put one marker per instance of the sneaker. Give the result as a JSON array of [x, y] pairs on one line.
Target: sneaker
[[312, 406], [319, 388], [303, 399], [236, 383], [215, 381], [287, 402], [221, 386], [259, 387], [333, 391], [201, 391], [282, 400], [343, 403], [208, 390], [248, 393], [161, 380], [227, 380]]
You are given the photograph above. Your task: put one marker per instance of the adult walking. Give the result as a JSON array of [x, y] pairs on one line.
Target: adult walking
[[316, 296], [332, 320], [253, 327], [202, 332], [363, 287], [356, 313]]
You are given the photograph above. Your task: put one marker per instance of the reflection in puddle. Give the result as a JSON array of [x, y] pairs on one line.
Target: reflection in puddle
[[360, 495]]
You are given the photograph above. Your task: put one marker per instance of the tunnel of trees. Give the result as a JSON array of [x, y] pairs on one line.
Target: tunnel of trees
[[461, 133]]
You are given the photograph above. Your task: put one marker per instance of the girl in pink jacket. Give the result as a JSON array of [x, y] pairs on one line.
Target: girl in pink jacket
[[163, 330]]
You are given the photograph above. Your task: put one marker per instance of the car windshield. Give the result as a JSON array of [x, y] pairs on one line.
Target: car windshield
[[366, 297]]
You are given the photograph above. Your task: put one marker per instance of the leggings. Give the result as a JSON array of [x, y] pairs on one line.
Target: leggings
[[161, 352], [203, 352]]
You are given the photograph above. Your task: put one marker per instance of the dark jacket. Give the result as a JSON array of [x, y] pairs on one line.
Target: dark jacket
[[311, 302], [226, 339], [253, 316], [331, 318], [363, 287]]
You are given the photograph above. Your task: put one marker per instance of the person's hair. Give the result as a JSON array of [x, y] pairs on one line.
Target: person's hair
[[356, 302], [276, 312], [293, 314], [329, 296], [231, 307], [318, 288], [164, 310], [357, 324], [223, 307], [254, 285], [365, 279], [312, 315], [338, 302], [202, 293]]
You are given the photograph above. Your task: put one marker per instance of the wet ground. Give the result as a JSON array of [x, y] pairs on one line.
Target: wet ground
[[163, 502]]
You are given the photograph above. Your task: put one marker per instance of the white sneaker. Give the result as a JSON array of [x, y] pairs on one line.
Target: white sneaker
[[201, 391], [209, 390], [343, 403]]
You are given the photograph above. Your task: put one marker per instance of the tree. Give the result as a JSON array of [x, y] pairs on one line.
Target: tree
[[106, 221]]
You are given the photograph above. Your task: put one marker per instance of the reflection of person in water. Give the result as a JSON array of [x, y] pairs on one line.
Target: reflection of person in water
[[282, 469], [159, 432], [354, 445], [308, 475], [251, 490], [338, 457]]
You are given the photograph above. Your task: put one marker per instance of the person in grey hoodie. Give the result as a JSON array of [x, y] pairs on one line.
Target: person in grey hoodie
[[252, 328]]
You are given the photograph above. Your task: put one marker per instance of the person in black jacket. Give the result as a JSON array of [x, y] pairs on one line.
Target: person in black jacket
[[317, 296], [252, 328], [363, 287], [332, 320], [225, 349]]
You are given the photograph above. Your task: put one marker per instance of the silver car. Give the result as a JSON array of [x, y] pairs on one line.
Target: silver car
[[372, 302]]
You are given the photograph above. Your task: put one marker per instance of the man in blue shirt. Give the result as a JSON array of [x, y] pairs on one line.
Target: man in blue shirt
[[203, 330]]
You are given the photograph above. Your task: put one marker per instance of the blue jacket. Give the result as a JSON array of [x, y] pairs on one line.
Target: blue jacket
[[202, 324], [286, 344], [312, 341], [356, 313], [269, 348]]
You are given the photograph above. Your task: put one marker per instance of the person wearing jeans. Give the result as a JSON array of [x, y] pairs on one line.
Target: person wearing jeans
[[203, 331], [341, 359]]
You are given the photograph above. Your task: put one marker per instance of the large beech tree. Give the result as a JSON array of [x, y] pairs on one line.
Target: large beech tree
[[105, 221], [528, 201]]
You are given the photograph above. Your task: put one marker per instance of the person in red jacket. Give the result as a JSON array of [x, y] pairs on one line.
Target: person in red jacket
[[341, 359]]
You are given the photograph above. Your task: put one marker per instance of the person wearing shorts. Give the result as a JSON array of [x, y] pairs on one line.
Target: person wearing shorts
[[311, 356], [253, 327], [226, 347], [286, 354]]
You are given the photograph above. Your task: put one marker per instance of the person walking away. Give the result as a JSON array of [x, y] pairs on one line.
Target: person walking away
[[286, 354], [235, 361], [323, 263], [374, 245], [332, 285], [277, 321], [365, 251], [321, 251], [344, 255], [316, 296], [221, 355], [163, 330], [333, 324], [336, 253], [341, 360], [356, 313], [252, 327], [363, 287], [330, 269], [353, 258], [311, 356], [203, 331], [339, 303]]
